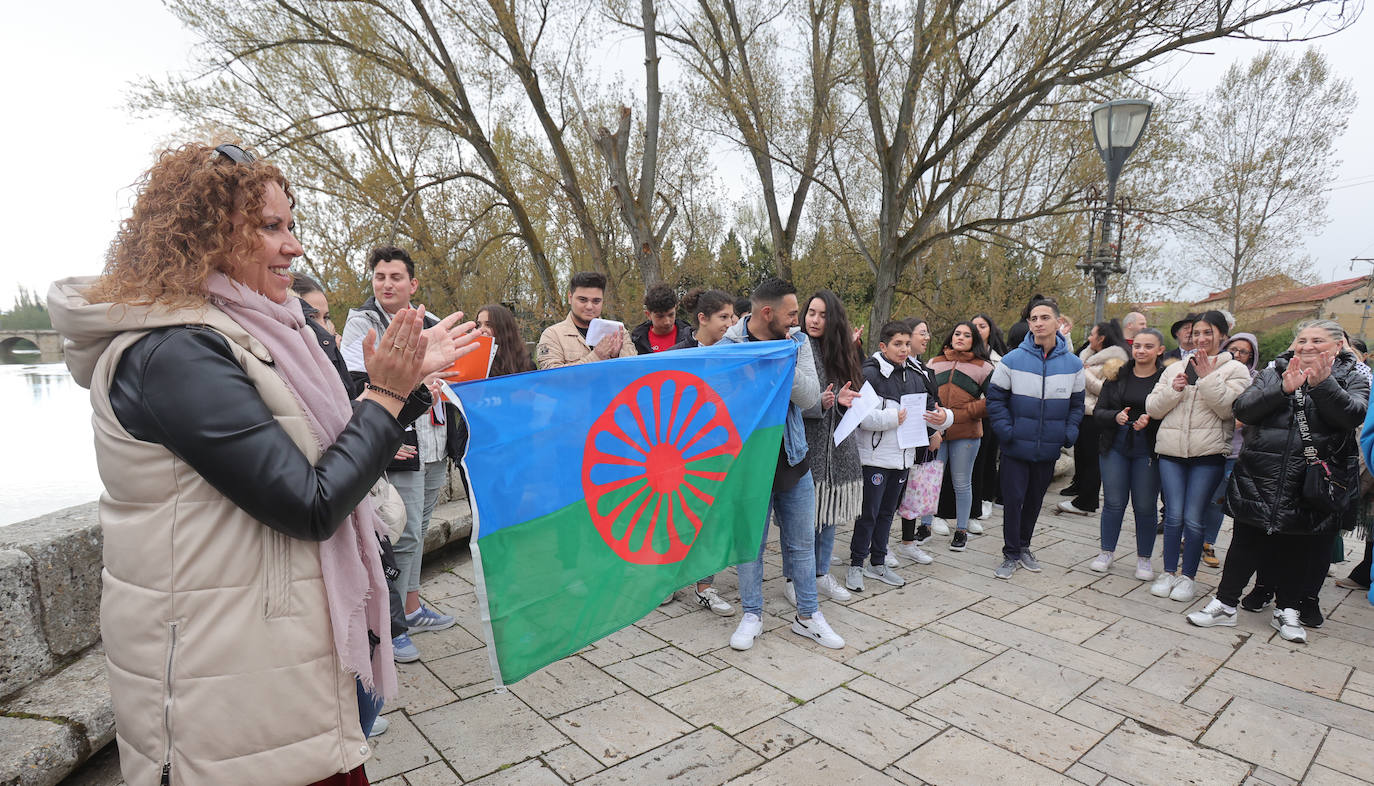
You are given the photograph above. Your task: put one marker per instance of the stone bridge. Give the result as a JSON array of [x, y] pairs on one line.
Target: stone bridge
[[48, 343]]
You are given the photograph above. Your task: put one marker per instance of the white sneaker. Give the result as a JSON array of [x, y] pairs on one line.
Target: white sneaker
[[1143, 569], [974, 528], [818, 631], [1163, 585], [1102, 563], [1214, 614], [854, 579], [891, 560], [939, 526], [379, 726], [1183, 590], [789, 592], [1286, 622], [987, 510], [884, 574], [1067, 506], [710, 599], [827, 585], [749, 629], [914, 553]]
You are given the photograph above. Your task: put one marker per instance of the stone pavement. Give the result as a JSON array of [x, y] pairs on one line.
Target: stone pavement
[[1065, 677]]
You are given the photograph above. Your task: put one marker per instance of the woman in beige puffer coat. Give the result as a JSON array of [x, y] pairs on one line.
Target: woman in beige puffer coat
[[1193, 400]]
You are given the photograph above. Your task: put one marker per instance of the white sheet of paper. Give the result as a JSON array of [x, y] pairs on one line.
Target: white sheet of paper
[[601, 328], [912, 432], [867, 401], [353, 356]]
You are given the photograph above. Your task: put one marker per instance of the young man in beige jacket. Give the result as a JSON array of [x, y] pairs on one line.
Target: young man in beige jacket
[[565, 343]]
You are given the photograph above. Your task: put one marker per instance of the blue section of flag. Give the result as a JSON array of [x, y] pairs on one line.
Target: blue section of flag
[[527, 432]]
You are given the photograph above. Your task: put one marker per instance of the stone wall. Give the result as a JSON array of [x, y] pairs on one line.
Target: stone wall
[[55, 708]]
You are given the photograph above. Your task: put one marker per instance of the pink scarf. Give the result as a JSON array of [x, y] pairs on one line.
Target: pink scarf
[[350, 560]]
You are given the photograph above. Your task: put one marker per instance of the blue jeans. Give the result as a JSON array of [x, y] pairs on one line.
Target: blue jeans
[[959, 455], [419, 489], [369, 707], [1188, 487], [1133, 478], [1211, 518], [795, 512], [825, 548]]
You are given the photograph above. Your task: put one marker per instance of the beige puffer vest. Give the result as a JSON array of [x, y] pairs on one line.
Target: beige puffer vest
[[221, 658], [1197, 421]]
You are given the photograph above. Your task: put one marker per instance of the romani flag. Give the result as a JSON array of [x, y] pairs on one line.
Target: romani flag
[[598, 489]]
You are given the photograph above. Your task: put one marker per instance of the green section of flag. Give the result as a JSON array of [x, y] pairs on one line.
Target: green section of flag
[[554, 586]]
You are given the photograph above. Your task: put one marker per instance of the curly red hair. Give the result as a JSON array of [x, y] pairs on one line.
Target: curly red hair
[[181, 229]]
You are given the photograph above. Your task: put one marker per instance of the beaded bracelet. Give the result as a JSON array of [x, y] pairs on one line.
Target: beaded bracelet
[[386, 392]]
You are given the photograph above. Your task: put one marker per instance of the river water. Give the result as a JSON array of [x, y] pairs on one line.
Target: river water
[[48, 458]]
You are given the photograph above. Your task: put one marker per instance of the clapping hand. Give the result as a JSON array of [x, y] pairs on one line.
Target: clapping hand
[[448, 341], [1180, 382], [1293, 377], [610, 346], [1141, 422], [1203, 364], [1123, 417], [1320, 370]]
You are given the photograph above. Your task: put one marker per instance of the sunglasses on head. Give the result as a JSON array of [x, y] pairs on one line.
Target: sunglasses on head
[[234, 153]]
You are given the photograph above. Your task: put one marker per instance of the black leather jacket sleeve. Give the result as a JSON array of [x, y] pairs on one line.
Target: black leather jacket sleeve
[[181, 388]]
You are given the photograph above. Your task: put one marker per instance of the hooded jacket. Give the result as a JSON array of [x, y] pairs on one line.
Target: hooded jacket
[[1238, 438], [213, 613], [640, 336], [877, 436], [1265, 489], [1111, 402], [1092, 372], [1035, 402], [1197, 421]]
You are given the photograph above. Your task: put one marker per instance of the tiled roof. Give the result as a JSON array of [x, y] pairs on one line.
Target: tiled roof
[[1314, 294], [1257, 288]]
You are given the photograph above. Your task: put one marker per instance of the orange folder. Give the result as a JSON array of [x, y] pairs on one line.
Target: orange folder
[[475, 364]]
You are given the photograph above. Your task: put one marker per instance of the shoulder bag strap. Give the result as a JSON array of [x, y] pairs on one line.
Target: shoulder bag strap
[[1309, 450]]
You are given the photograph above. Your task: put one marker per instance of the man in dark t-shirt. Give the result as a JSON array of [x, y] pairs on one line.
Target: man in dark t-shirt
[[661, 329]]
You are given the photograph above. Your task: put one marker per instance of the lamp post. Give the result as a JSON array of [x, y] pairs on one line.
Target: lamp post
[[1117, 128]]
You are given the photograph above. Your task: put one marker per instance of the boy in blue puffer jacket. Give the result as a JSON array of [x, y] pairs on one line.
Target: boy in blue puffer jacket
[[1035, 403]]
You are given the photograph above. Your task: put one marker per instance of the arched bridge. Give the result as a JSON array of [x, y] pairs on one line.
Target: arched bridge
[[17, 346]]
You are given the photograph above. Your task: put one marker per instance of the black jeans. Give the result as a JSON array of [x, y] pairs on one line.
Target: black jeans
[[1284, 561], [1087, 475], [986, 486], [1024, 484], [882, 494]]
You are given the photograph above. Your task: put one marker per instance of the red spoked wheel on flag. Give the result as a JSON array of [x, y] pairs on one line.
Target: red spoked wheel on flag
[[653, 463]]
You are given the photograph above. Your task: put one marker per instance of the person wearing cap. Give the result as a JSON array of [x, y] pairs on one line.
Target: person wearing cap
[[1182, 331]]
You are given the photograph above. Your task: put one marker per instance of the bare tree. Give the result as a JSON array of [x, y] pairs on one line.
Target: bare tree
[[1262, 150], [943, 84]]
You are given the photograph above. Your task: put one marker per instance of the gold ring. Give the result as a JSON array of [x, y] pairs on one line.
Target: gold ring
[[399, 346]]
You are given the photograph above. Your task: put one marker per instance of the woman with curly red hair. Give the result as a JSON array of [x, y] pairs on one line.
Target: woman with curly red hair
[[244, 601]]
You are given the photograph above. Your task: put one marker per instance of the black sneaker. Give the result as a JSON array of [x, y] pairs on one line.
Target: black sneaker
[[1069, 491], [1310, 614], [922, 535], [960, 541], [1258, 598]]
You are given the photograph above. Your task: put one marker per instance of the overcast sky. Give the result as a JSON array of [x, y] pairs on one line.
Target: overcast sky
[[70, 149]]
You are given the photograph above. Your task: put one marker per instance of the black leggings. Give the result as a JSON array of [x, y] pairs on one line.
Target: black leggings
[[1283, 561]]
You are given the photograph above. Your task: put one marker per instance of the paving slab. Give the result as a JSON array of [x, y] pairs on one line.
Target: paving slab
[[566, 685], [1263, 735], [1040, 736], [920, 662], [571, 763], [528, 773], [957, 758], [1291, 667], [509, 731], [729, 699], [1326, 712], [657, 671], [622, 645], [918, 603], [1347, 753], [1042, 645], [402, 749], [614, 730], [706, 757], [1149, 709], [876, 734], [772, 738], [1033, 680], [1135, 754], [814, 764], [795, 669]]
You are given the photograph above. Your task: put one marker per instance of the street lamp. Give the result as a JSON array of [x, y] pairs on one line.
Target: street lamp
[[1117, 128]]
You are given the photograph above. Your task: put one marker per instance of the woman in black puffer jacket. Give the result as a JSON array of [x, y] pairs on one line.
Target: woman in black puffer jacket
[[1275, 529]]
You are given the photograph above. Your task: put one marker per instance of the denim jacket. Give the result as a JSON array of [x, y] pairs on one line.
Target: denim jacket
[[806, 389]]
